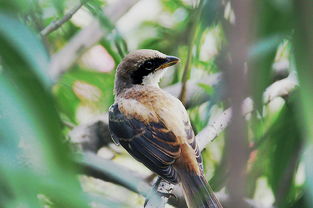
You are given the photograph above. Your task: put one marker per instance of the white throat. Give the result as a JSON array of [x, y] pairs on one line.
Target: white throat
[[153, 79]]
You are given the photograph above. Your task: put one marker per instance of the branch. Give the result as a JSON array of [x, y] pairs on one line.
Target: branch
[[106, 170], [92, 165], [164, 189], [218, 123], [86, 38], [195, 95], [187, 69], [93, 135], [280, 88], [58, 23]]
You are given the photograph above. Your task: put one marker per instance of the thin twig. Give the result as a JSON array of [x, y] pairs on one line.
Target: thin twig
[[187, 68], [85, 38], [58, 23], [119, 49]]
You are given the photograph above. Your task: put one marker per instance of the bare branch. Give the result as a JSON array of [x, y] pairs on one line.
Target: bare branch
[[106, 170], [164, 189], [280, 88], [195, 95], [220, 122], [214, 128], [92, 165], [58, 23], [86, 38], [93, 135]]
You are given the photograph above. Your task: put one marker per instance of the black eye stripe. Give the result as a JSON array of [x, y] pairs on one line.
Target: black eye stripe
[[146, 68], [153, 63], [148, 64]]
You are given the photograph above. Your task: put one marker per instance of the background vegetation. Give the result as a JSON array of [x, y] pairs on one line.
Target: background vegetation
[[250, 61]]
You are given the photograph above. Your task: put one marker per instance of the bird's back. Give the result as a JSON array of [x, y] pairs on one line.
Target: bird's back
[[153, 105]]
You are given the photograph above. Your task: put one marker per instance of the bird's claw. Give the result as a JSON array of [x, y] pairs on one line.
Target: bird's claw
[[167, 195]]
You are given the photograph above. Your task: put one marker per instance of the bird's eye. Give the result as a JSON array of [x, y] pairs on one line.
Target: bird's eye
[[148, 65]]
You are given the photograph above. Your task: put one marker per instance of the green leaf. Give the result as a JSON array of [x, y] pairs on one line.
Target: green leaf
[[303, 50], [66, 99], [279, 155], [207, 88], [33, 156], [273, 25], [16, 5], [26, 46]]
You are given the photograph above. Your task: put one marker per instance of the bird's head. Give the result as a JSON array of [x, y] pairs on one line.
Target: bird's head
[[143, 67]]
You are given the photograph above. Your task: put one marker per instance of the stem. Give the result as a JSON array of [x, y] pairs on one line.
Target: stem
[[58, 23]]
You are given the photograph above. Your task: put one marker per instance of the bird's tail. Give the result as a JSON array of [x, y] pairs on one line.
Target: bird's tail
[[197, 191]]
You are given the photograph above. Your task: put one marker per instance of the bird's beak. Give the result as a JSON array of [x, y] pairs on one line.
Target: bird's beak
[[170, 61]]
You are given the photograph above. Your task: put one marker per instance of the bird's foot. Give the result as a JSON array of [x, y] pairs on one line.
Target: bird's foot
[[165, 189], [167, 195]]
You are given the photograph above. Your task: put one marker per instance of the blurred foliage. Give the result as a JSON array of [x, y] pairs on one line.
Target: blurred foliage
[[30, 141], [87, 88], [36, 160]]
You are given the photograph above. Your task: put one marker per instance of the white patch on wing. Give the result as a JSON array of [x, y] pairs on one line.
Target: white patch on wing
[[131, 107], [153, 79]]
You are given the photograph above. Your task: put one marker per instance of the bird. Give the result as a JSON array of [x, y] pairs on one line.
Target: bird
[[154, 127]]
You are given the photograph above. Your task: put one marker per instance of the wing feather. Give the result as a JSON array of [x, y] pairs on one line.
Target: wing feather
[[150, 143], [192, 142]]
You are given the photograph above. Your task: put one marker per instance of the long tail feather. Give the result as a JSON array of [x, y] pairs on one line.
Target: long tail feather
[[198, 192]]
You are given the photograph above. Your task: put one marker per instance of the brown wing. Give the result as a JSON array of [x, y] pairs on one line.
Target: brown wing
[[150, 143], [192, 142]]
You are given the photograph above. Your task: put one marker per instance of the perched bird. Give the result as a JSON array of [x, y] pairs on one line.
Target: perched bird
[[154, 127]]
